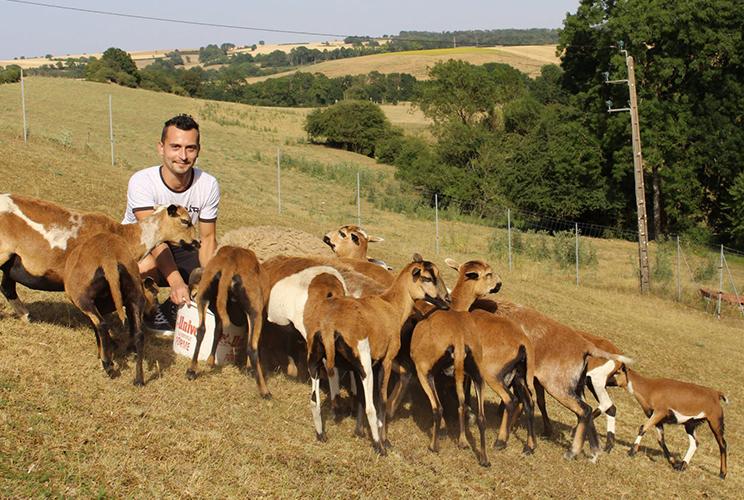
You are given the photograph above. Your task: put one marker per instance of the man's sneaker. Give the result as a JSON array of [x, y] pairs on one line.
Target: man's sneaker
[[160, 323]]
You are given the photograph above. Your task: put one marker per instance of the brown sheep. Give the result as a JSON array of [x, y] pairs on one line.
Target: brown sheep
[[36, 237], [667, 401], [100, 275], [367, 330], [233, 277]]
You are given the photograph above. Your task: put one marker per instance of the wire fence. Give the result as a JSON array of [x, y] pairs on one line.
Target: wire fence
[[695, 274]]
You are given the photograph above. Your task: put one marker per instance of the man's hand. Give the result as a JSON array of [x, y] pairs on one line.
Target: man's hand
[[179, 291]]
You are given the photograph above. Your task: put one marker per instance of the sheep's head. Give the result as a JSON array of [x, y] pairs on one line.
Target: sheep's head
[[621, 377], [426, 283], [476, 277], [349, 241], [150, 289], [174, 225]]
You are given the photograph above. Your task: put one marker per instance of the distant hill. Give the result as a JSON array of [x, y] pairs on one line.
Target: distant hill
[[526, 58]]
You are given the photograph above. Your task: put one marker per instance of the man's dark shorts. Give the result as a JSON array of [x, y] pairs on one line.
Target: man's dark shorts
[[186, 261]]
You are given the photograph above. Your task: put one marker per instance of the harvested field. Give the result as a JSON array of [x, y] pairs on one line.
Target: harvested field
[[67, 430]]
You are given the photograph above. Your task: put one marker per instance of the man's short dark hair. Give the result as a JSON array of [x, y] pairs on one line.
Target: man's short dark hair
[[181, 122]]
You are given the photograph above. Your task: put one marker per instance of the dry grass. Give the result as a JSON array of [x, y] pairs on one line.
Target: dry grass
[[65, 429]]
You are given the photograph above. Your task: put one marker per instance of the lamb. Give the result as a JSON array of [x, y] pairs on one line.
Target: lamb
[[36, 237], [366, 330], [100, 274], [233, 277], [667, 401]]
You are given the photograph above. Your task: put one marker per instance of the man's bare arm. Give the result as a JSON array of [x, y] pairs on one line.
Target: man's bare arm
[[208, 241]]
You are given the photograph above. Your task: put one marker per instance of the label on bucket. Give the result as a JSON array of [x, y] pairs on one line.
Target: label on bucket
[[184, 337]]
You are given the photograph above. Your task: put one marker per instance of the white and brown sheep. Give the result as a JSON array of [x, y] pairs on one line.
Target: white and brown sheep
[[233, 277], [101, 275], [561, 362], [366, 330], [667, 401], [36, 237]]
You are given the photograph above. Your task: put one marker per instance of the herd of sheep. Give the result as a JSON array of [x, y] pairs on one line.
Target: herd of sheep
[[358, 316]]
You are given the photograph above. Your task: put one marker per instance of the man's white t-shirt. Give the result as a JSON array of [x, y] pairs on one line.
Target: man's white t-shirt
[[147, 189]]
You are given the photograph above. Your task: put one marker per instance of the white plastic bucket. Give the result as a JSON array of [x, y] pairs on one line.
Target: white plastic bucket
[[184, 337]]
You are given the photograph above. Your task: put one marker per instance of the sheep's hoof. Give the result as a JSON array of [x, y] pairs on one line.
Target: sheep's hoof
[[594, 457], [190, 374], [139, 383], [321, 437], [483, 462], [267, 396], [632, 452], [609, 446], [359, 432], [722, 475], [462, 444], [569, 455], [499, 445], [108, 367], [434, 449], [379, 449], [388, 444], [526, 450], [680, 466]]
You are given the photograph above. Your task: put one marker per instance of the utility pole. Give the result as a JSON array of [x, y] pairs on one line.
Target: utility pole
[[640, 190]]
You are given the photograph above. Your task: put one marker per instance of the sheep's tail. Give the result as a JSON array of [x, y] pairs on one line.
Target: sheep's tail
[[723, 398], [111, 273], [595, 351]]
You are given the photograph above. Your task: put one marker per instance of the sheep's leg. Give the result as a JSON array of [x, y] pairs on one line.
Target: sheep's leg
[[255, 325], [315, 357], [690, 428], [662, 443], [430, 389], [656, 418], [597, 381], [368, 386], [460, 390], [499, 387], [387, 365], [523, 394], [481, 419], [399, 390], [201, 329], [540, 398], [8, 289], [334, 388], [717, 429], [134, 317], [356, 383], [215, 340]]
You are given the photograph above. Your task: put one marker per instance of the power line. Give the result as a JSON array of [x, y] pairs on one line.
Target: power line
[[177, 21], [219, 25]]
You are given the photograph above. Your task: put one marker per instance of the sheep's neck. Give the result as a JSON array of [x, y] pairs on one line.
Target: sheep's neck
[[132, 234], [397, 295], [640, 387], [461, 300]]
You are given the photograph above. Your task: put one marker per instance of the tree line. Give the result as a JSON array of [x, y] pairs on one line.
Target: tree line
[[548, 145]]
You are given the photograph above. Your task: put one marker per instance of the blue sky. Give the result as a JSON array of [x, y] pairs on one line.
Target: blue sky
[[30, 30]]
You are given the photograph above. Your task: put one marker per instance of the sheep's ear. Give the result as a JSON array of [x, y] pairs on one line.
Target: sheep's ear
[[471, 275], [172, 209], [416, 273], [375, 239], [355, 238], [452, 263], [417, 257]]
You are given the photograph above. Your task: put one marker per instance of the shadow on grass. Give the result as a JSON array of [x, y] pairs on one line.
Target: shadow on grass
[[57, 313]]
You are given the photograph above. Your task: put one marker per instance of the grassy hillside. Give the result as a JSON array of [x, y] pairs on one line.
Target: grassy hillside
[[65, 429], [528, 59]]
